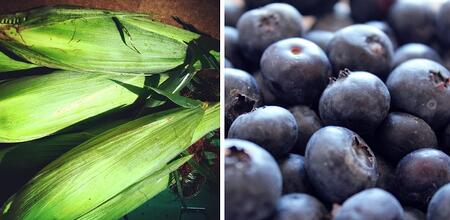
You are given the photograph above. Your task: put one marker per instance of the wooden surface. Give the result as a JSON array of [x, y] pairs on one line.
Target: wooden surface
[[203, 14]]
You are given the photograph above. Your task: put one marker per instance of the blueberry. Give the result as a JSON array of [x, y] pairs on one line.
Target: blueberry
[[233, 11], [273, 128], [445, 139], [386, 175], [259, 28], [320, 38], [361, 48], [413, 214], [294, 174], [414, 50], [252, 181], [312, 7], [383, 26], [296, 70], [232, 50], [401, 134], [421, 87], [443, 23], [438, 209], [334, 21], [300, 206], [368, 10], [339, 164], [356, 100], [420, 174], [241, 94], [370, 204], [413, 20], [268, 97], [308, 122]]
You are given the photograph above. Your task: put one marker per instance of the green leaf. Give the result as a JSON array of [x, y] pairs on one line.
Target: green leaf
[[177, 99], [8, 64]]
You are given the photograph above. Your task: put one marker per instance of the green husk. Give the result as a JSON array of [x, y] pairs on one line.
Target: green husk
[[8, 64], [138, 193], [99, 169], [90, 40], [37, 106], [20, 162]]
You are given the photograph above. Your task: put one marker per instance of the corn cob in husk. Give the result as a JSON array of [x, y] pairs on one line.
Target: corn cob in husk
[[36, 106], [20, 162], [96, 172], [90, 40]]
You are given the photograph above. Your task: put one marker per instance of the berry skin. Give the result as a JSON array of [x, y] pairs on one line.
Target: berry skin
[[383, 26], [259, 28], [421, 87], [361, 48], [296, 70], [233, 10], [252, 181], [357, 100], [443, 24], [438, 209], [308, 122], [339, 164], [370, 204], [413, 21], [300, 206], [368, 10], [271, 127], [420, 174], [232, 50], [241, 94], [401, 134], [320, 38], [294, 174], [386, 175], [414, 51]]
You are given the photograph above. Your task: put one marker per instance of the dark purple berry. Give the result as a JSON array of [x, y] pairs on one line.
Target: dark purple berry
[[252, 181], [296, 70], [294, 175], [357, 100], [420, 174], [401, 134], [361, 48], [300, 206], [308, 122], [421, 87], [339, 164], [438, 209], [414, 51], [259, 28], [271, 127], [241, 94]]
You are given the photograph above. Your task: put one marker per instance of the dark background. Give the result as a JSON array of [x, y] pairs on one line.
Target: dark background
[[203, 14]]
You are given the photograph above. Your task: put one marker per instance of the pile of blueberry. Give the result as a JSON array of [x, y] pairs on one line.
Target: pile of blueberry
[[337, 109]]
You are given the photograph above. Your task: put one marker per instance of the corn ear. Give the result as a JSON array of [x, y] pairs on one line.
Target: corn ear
[[20, 162], [138, 193], [90, 40], [96, 171], [36, 106]]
